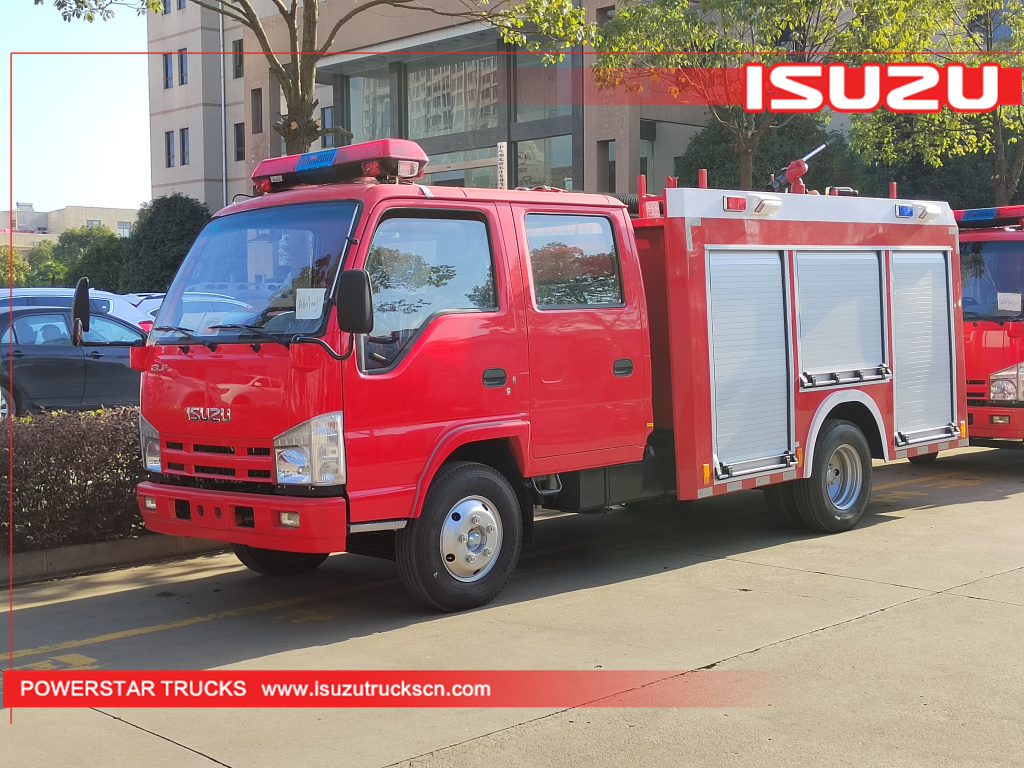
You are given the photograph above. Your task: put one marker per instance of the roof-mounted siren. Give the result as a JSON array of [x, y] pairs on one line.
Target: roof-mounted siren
[[394, 160], [1003, 216]]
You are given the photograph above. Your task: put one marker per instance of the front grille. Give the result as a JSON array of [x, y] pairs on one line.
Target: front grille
[[258, 451], [259, 473], [223, 471], [198, 448], [176, 466], [175, 446]]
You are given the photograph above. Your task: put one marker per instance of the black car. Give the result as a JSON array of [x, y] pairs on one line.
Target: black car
[[49, 372]]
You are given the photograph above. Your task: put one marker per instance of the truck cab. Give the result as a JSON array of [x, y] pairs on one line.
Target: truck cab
[[992, 267]]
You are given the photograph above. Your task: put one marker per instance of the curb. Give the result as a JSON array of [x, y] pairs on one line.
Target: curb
[[89, 558]]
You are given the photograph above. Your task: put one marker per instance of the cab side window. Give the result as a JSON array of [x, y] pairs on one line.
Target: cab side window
[[574, 261], [421, 267], [103, 330]]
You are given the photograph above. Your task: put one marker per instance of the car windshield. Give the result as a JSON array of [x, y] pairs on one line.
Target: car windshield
[[993, 278], [271, 269]]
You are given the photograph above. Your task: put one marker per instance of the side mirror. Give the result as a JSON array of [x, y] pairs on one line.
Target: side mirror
[[80, 311], [354, 304]]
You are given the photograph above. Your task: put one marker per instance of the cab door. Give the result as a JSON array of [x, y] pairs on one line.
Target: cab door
[[46, 367], [589, 356], [442, 360]]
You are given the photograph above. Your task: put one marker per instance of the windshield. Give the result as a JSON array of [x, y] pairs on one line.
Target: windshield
[[993, 279], [271, 269]]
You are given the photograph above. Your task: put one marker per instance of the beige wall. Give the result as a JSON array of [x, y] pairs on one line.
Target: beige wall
[[78, 216]]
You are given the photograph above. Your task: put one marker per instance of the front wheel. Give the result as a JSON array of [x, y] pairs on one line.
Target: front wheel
[[834, 497], [272, 562], [462, 549], [7, 408]]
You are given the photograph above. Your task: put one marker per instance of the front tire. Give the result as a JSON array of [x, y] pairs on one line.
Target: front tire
[[272, 562], [834, 497], [7, 407], [460, 552]]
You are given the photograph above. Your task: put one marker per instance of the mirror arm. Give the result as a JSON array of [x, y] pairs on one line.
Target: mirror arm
[[326, 346]]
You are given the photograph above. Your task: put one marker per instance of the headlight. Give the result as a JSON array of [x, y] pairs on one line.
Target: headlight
[[312, 453], [150, 440], [1007, 384]]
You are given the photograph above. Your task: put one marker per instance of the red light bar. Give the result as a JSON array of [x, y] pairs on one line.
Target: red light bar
[[1003, 216], [382, 159]]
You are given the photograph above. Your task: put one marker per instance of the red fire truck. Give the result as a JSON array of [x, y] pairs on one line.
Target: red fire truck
[[418, 368], [992, 260]]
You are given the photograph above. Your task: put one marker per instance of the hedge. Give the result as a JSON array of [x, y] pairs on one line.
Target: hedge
[[74, 478]]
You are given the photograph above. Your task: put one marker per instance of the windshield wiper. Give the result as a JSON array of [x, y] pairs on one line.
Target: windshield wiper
[[187, 333], [255, 331]]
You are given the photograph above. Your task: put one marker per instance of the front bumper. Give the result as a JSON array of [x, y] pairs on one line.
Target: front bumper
[[246, 518], [981, 425]]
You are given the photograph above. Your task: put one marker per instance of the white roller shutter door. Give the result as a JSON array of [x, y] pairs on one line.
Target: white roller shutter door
[[750, 360], [839, 312], [922, 349]]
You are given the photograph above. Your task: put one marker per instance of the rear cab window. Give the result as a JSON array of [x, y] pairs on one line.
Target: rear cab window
[[574, 261], [423, 265]]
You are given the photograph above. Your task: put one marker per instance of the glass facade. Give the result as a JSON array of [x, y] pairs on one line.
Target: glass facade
[[369, 98], [544, 162], [452, 94], [542, 91]]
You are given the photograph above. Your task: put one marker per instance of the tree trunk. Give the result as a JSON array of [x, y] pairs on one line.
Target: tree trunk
[[746, 167]]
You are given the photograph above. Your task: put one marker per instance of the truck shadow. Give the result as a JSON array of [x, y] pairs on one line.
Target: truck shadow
[[209, 611]]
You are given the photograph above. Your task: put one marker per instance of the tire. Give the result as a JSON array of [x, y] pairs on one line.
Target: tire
[[834, 497], [7, 406], [782, 504], [272, 562], [437, 565], [923, 458]]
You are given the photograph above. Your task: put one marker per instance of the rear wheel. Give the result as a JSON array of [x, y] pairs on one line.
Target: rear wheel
[[834, 497], [462, 549], [7, 408], [923, 458], [782, 504], [272, 562]]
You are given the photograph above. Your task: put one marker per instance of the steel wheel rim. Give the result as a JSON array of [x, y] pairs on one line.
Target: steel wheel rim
[[5, 408], [844, 477], [470, 538]]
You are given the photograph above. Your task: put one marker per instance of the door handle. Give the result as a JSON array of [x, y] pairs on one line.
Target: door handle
[[17, 353], [495, 377], [94, 355], [622, 367]]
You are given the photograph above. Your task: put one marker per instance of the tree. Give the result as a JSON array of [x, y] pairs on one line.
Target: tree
[[20, 270], [101, 263], [979, 31], [558, 23], [162, 235], [726, 33], [74, 242], [40, 254]]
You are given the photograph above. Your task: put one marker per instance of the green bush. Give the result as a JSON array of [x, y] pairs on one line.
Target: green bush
[[74, 477]]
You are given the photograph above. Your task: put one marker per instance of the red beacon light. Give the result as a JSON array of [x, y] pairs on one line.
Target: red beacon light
[[394, 160]]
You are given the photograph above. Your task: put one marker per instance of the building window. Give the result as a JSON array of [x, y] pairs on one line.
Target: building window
[[90, 223], [168, 71], [124, 228], [257, 110], [574, 261], [606, 166], [167, 7], [369, 98], [169, 148], [239, 142], [604, 15], [452, 93], [327, 121], [184, 146], [182, 66], [542, 91], [545, 162], [181, 5], [238, 58]]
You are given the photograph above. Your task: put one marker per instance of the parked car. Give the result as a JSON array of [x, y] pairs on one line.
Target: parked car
[[35, 342], [194, 301], [101, 302]]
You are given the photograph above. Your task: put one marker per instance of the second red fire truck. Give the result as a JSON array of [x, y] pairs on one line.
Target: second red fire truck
[[419, 368], [992, 261]]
